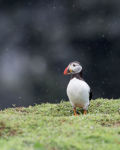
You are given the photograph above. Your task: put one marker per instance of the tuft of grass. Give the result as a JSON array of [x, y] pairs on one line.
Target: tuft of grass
[[53, 127]]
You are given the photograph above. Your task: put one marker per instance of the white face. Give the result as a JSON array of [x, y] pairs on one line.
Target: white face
[[74, 67]]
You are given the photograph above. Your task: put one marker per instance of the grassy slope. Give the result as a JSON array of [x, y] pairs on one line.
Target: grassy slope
[[53, 127]]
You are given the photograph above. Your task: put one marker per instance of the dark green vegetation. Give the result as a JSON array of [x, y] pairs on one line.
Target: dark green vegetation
[[53, 127]]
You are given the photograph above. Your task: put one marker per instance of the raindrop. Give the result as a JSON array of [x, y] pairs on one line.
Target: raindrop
[[19, 97]]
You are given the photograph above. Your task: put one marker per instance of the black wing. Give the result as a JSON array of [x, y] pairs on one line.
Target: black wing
[[90, 94]]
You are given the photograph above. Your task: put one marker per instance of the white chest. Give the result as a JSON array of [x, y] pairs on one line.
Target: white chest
[[78, 92]]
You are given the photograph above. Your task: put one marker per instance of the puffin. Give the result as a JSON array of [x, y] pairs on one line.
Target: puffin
[[78, 91]]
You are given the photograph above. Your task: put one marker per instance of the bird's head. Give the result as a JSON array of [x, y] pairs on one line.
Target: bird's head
[[73, 68]]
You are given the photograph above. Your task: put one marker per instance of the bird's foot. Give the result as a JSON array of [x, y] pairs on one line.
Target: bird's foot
[[85, 112], [75, 113]]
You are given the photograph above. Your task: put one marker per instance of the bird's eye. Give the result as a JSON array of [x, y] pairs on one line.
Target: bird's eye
[[73, 65]]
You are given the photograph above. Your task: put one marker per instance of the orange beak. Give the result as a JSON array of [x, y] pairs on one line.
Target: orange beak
[[67, 71]]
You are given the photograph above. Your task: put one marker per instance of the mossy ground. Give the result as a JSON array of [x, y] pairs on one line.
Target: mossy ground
[[53, 127]]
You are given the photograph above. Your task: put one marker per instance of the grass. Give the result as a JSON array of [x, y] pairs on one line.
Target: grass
[[53, 127]]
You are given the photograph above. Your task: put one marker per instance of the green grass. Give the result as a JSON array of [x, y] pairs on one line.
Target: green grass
[[53, 127]]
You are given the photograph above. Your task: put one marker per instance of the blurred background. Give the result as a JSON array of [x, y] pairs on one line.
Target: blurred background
[[38, 39]]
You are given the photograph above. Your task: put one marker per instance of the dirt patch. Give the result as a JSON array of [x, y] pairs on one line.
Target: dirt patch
[[117, 124], [98, 104], [21, 109], [7, 130], [111, 124], [2, 126]]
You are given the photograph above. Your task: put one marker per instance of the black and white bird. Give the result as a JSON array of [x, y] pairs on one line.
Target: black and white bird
[[78, 91]]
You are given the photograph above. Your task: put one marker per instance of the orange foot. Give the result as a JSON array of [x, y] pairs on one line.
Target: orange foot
[[75, 113], [85, 112]]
